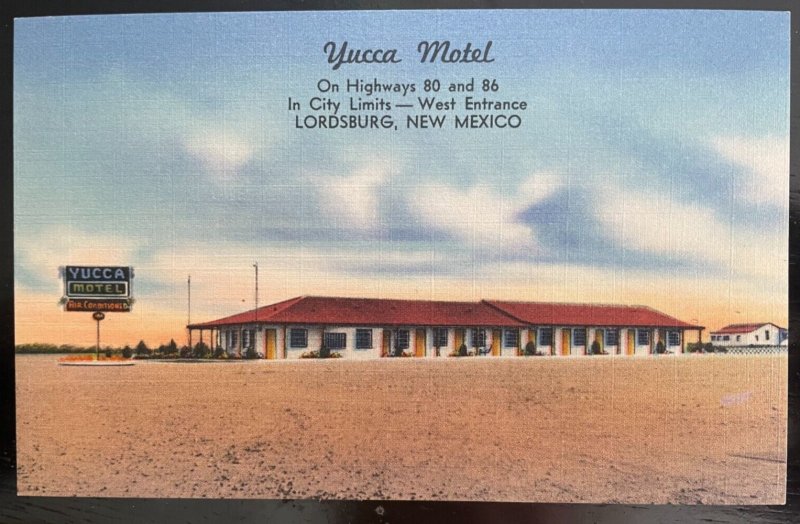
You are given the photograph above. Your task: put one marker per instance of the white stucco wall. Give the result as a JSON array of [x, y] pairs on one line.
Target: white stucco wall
[[315, 334]]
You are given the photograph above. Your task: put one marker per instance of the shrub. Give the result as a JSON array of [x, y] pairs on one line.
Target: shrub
[[595, 348], [127, 352], [310, 354], [251, 353], [530, 348], [660, 347], [201, 350], [324, 352], [172, 347], [462, 350], [701, 347], [219, 352], [185, 352]]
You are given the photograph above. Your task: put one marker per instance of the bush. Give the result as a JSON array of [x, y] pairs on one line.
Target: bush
[[700, 347], [251, 353], [530, 349], [185, 352], [317, 354], [127, 352], [324, 352], [595, 348], [219, 353], [108, 353], [462, 350], [660, 347], [201, 350]]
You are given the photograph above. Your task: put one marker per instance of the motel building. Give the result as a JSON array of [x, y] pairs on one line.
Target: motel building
[[755, 334], [367, 328]]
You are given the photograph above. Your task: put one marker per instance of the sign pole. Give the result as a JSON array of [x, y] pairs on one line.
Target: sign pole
[[98, 316]]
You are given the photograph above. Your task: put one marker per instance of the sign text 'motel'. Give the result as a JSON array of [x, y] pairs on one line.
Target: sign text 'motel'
[[98, 288]]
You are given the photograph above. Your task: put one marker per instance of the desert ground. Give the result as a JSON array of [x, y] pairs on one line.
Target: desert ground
[[686, 429]]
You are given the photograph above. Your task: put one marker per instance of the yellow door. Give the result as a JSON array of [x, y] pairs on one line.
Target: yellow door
[[419, 343], [566, 334], [387, 341], [598, 336], [270, 342], [496, 336], [631, 349], [459, 338]]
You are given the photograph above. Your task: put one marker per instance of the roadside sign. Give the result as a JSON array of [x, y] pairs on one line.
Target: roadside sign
[[113, 305], [98, 288], [98, 315]]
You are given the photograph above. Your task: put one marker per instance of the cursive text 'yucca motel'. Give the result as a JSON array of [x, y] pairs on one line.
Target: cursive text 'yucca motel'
[[431, 52]]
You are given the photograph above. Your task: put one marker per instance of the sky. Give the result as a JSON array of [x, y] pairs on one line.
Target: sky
[[651, 167]]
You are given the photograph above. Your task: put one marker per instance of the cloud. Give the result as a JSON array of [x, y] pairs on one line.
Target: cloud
[[222, 152], [479, 217], [353, 201], [765, 164]]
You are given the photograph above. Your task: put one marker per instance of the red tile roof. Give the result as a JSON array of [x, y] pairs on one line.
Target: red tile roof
[[371, 312], [559, 314], [741, 328]]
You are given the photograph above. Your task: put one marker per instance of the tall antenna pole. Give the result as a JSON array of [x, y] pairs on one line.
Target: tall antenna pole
[[189, 308], [256, 266]]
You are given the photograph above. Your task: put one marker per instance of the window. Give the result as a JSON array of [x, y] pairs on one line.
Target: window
[[612, 337], [510, 338], [233, 339], [401, 339], [298, 338], [728, 337], [439, 337], [673, 338], [642, 337], [546, 336], [363, 339], [766, 334], [478, 338], [579, 337], [738, 338], [248, 336], [335, 340]]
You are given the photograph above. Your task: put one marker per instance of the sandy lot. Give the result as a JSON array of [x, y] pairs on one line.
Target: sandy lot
[[690, 429]]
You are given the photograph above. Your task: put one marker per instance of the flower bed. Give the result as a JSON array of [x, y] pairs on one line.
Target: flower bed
[[93, 358]]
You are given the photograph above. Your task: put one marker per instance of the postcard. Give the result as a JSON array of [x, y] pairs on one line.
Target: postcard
[[491, 255]]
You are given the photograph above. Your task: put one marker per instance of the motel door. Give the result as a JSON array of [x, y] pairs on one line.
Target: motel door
[[566, 336], [270, 338], [496, 336], [419, 343], [599, 336], [631, 349], [387, 343], [459, 338]]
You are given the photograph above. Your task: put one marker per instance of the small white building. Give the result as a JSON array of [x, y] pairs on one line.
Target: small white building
[[755, 334]]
